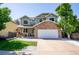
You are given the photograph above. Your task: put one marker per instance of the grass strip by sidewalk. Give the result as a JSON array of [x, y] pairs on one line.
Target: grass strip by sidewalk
[[15, 45]]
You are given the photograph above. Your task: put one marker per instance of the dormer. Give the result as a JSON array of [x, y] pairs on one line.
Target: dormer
[[52, 17], [47, 16], [25, 20]]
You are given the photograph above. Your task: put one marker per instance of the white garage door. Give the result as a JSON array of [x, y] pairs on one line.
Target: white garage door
[[47, 33]]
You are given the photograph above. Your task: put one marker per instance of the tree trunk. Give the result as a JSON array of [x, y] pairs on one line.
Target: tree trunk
[[68, 36]]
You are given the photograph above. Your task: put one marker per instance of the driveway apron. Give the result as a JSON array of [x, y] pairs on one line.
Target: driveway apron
[[60, 47]]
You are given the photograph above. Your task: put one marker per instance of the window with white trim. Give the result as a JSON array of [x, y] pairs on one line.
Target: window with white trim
[[52, 19], [25, 22]]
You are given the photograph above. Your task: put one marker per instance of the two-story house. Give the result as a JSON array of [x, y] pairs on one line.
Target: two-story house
[[41, 26]]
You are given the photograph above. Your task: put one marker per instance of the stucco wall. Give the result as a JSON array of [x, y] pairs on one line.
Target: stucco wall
[[10, 27]]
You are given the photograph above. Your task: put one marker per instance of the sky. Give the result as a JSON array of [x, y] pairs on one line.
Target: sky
[[33, 9]]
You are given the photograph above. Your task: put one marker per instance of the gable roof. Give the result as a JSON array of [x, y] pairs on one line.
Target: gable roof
[[12, 22], [46, 14], [33, 18], [45, 21], [24, 17], [40, 15], [38, 24]]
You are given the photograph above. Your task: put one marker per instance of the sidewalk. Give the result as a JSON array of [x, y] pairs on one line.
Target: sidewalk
[[27, 39], [7, 52]]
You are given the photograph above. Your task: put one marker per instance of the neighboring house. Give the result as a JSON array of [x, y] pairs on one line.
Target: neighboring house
[[9, 30], [41, 26]]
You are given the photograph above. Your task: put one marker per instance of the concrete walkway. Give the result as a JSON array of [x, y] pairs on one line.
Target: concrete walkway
[[7, 52], [27, 39], [25, 51], [56, 47]]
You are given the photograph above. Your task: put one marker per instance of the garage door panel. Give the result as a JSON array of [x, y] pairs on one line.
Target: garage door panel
[[47, 33]]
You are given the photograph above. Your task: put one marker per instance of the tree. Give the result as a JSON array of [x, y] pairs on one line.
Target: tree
[[77, 28], [68, 21], [4, 17]]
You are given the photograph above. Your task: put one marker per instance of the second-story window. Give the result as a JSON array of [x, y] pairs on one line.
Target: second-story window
[[40, 20], [44, 18], [52, 19], [25, 22]]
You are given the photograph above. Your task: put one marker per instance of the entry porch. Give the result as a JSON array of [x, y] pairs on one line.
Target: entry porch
[[25, 32]]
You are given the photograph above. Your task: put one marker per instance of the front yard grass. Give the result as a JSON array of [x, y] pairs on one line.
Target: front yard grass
[[14, 45]]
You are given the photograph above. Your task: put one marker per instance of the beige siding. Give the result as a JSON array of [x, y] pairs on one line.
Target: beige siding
[[10, 27]]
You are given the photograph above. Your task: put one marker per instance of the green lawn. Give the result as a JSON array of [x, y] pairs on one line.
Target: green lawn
[[12, 45]]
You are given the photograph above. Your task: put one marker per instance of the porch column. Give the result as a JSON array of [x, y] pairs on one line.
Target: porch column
[[22, 30], [27, 33]]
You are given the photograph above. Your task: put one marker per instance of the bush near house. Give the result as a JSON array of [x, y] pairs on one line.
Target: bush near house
[[9, 35], [13, 45], [75, 36], [3, 38]]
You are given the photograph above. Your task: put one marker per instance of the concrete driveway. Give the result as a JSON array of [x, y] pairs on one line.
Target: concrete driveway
[[57, 47]]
